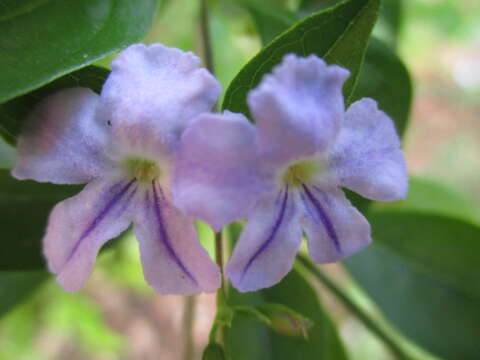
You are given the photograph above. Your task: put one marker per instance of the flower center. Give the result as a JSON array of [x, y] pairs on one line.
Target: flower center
[[301, 173], [143, 170]]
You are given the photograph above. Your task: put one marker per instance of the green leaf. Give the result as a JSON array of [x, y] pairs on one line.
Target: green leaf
[[339, 35], [270, 19], [422, 270], [24, 209], [430, 196], [44, 39], [13, 112], [390, 19], [249, 339], [214, 351], [306, 7], [389, 22], [7, 155], [386, 79], [16, 286]]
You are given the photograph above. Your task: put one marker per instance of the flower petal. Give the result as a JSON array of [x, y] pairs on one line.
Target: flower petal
[[299, 107], [158, 85], [367, 157], [216, 178], [173, 260], [79, 226], [335, 229], [268, 244], [62, 141]]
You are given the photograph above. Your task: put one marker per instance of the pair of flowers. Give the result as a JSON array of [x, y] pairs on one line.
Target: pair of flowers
[[153, 155]]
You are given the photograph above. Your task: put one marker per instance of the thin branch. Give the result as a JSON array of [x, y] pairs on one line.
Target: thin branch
[[219, 261], [222, 335], [206, 39]]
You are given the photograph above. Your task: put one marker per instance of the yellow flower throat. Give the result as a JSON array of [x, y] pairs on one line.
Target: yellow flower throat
[[143, 170], [300, 173]]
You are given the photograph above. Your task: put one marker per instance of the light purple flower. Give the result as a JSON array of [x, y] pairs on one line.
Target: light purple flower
[[123, 143], [285, 175]]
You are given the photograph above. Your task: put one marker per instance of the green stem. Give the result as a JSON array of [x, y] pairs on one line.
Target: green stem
[[218, 333], [206, 39], [219, 330], [219, 261], [363, 316], [188, 320]]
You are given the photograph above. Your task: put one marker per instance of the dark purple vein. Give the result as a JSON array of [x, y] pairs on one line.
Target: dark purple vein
[[101, 215], [271, 237], [164, 238], [330, 229]]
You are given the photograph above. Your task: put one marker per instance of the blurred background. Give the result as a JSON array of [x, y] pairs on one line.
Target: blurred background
[[117, 316]]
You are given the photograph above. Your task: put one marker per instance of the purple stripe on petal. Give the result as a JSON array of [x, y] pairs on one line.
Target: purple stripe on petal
[[327, 223], [100, 216], [271, 237], [164, 238]]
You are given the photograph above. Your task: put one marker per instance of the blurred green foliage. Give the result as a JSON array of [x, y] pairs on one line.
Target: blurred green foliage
[[58, 316]]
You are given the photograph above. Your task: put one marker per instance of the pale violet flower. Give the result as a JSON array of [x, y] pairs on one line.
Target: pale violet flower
[[123, 143], [285, 174]]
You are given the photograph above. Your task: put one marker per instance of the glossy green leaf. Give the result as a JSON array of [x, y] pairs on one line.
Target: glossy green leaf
[[422, 270], [42, 40], [16, 286], [339, 35], [249, 339], [386, 79], [270, 19], [13, 112], [306, 7], [389, 22], [24, 209]]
